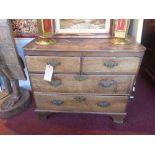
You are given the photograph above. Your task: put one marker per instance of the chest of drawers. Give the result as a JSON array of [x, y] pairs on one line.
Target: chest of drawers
[[90, 76]]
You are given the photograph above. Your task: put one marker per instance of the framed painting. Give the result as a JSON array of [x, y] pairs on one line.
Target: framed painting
[[24, 27], [82, 28]]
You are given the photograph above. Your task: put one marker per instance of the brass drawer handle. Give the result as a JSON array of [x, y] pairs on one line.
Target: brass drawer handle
[[79, 99], [55, 83], [57, 102], [103, 104], [106, 83], [110, 64], [80, 78], [54, 63]]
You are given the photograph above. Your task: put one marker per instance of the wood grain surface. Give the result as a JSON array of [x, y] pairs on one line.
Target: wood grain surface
[[86, 45], [117, 104], [123, 65], [105, 73], [121, 84], [66, 64]]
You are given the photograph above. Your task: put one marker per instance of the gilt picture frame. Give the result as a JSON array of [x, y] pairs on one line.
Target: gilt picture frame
[[82, 28]]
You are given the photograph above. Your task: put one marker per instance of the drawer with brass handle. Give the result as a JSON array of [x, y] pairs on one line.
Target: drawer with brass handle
[[80, 77], [107, 83], [60, 64], [54, 62], [55, 83], [79, 99], [110, 65], [77, 103], [104, 84], [57, 102], [103, 104]]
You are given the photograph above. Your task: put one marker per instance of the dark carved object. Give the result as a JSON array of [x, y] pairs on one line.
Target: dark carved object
[[11, 70]]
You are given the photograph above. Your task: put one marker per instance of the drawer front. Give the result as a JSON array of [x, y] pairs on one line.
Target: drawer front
[[106, 84], [61, 64], [111, 65], [76, 103]]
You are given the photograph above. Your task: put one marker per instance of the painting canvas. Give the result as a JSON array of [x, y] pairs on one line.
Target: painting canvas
[[82, 26]]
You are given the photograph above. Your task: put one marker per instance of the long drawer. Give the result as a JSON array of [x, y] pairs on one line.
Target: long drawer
[[111, 64], [65, 83], [77, 103], [61, 64]]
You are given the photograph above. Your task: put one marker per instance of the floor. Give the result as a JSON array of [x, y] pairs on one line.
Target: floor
[[140, 118]]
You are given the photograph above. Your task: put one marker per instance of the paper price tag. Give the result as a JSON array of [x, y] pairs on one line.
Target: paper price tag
[[48, 73]]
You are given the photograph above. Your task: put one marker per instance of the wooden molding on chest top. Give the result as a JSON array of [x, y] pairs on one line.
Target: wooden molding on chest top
[[85, 47]]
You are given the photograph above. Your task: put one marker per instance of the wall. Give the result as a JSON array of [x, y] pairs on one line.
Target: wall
[[136, 27], [20, 43]]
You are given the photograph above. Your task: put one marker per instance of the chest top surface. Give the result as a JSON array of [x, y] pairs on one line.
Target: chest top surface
[[101, 45]]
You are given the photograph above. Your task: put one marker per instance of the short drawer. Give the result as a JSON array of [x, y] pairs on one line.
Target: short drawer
[[61, 64], [111, 64], [63, 83], [78, 103]]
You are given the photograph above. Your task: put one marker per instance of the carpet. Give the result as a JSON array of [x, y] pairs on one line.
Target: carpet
[[140, 119]]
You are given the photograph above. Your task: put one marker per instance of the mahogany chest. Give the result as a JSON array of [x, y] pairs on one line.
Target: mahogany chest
[[90, 76]]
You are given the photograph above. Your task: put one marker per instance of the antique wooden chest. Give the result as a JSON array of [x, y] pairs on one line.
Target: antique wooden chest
[[90, 76]]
